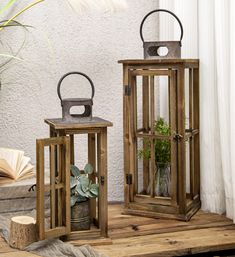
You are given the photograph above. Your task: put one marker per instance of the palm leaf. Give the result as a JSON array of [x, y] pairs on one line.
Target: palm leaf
[[11, 56], [14, 56], [20, 12], [14, 23], [7, 6]]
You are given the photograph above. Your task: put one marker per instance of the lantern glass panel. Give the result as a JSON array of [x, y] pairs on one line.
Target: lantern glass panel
[[163, 168]]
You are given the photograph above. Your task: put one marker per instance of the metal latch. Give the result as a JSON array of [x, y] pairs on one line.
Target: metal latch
[[178, 137], [129, 179]]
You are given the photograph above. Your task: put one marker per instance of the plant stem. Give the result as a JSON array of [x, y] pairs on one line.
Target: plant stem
[[20, 12]]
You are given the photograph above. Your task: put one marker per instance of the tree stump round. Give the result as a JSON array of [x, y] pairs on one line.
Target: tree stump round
[[22, 232]]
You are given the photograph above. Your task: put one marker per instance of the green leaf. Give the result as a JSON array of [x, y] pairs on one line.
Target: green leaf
[[73, 200], [80, 191], [73, 191], [73, 182], [84, 183], [88, 169], [75, 170], [94, 188], [89, 194]]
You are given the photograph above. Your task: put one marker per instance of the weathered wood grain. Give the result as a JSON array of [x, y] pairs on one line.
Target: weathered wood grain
[[140, 236]]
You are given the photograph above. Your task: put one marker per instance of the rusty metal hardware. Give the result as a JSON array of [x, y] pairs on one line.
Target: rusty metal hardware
[[127, 90], [102, 180], [129, 179], [152, 49], [68, 103], [178, 137]]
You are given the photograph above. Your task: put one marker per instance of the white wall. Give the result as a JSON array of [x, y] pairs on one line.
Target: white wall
[[64, 41]]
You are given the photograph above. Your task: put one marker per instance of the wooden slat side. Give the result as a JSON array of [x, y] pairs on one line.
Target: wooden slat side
[[145, 121], [133, 133], [132, 143], [40, 214], [173, 128], [152, 114], [126, 119], [71, 149], [67, 161], [196, 121], [191, 139], [52, 186], [103, 183], [181, 143], [92, 161]]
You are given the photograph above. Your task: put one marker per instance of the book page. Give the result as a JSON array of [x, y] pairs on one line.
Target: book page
[[6, 170], [6, 181], [23, 164], [12, 156], [26, 173]]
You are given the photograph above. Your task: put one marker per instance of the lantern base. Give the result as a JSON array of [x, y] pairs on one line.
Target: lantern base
[[146, 210]]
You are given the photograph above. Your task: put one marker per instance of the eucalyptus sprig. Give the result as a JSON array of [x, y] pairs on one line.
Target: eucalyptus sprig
[[81, 186]]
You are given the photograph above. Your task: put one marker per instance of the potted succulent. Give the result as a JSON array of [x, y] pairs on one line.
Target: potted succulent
[[82, 189], [162, 158]]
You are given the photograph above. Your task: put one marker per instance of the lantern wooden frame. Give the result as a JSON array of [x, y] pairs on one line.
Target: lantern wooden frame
[[96, 130], [59, 187], [180, 205]]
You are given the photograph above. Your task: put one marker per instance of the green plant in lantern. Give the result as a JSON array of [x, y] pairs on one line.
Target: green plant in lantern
[[81, 186], [162, 147], [162, 157]]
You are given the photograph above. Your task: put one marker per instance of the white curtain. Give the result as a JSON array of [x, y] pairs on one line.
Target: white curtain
[[209, 28]]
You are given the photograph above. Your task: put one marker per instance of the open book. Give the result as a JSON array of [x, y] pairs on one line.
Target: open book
[[14, 166]]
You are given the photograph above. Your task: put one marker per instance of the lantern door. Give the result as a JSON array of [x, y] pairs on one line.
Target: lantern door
[[153, 140], [53, 154]]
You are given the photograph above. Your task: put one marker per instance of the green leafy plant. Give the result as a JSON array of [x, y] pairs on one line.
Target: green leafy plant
[[81, 186], [162, 147], [10, 23]]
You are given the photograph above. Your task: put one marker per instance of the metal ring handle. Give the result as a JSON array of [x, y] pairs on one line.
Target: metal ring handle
[[161, 10], [78, 73]]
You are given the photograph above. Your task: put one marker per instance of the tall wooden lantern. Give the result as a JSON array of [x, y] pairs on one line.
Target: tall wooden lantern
[[161, 137], [64, 130]]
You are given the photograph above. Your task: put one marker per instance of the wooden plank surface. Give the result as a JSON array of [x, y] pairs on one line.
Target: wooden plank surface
[[139, 236]]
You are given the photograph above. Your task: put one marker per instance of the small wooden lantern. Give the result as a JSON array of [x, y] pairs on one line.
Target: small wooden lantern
[[62, 155], [96, 130], [161, 152]]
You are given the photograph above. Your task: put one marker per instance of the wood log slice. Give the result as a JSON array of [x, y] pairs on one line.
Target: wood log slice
[[22, 232]]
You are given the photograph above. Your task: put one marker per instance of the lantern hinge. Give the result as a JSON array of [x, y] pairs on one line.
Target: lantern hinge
[[129, 179], [127, 90], [102, 180]]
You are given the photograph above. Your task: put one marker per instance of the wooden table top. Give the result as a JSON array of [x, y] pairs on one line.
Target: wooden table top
[[139, 236]]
